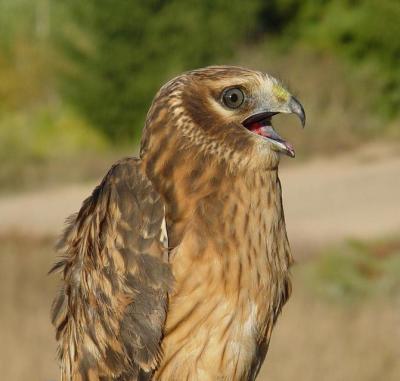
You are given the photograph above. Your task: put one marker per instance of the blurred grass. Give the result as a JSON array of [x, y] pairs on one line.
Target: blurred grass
[[355, 271], [320, 338], [27, 347]]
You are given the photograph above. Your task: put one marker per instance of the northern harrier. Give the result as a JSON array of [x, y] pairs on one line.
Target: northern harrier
[[177, 266]]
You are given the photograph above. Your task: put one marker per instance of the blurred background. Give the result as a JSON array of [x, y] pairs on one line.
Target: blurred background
[[76, 80]]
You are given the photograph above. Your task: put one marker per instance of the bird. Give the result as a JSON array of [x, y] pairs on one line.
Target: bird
[[178, 264]]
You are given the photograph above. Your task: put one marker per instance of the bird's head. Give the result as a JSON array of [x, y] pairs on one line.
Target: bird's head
[[226, 111]]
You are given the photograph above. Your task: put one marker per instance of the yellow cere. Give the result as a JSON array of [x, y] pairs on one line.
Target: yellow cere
[[280, 93]]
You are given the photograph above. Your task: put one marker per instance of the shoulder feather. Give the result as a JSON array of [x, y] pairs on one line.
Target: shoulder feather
[[111, 309]]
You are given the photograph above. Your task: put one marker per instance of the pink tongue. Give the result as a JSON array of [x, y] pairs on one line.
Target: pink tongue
[[259, 129], [267, 132]]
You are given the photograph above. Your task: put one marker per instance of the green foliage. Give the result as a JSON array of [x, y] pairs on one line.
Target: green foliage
[[120, 52], [114, 55], [364, 31], [43, 134], [36, 144], [123, 50], [356, 270]]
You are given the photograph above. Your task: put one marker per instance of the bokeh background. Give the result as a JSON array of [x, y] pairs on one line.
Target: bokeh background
[[76, 80]]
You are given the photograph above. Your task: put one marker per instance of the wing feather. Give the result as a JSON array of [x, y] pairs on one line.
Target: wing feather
[[110, 311]]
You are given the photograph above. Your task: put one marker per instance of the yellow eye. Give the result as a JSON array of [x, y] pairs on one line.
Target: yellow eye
[[233, 97]]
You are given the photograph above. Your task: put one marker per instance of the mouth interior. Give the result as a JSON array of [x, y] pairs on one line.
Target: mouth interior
[[261, 124]]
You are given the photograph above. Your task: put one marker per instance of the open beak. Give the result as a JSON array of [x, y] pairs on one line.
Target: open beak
[[260, 123]]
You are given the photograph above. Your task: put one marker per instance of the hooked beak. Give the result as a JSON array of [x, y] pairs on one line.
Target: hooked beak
[[260, 123], [296, 107]]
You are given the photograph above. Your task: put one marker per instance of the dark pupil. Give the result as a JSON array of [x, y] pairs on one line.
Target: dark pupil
[[234, 98]]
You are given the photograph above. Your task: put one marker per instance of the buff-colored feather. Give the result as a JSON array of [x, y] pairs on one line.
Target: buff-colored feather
[[177, 266]]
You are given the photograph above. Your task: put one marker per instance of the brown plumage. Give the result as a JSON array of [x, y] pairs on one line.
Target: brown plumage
[[177, 266]]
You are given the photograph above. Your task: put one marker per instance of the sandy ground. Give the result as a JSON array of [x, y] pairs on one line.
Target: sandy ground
[[326, 200]]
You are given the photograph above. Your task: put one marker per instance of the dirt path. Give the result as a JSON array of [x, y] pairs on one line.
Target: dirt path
[[353, 195]]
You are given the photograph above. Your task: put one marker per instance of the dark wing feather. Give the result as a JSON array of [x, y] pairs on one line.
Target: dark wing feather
[[111, 309]]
